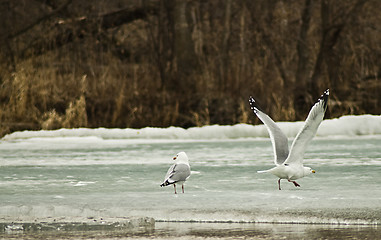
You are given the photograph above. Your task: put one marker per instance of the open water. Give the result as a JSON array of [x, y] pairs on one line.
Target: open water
[[68, 174]]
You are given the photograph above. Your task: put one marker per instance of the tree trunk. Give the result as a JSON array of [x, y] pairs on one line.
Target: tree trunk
[[185, 56], [224, 67], [302, 97], [331, 32], [242, 46]]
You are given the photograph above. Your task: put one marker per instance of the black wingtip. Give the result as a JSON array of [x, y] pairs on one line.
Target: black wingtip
[[166, 183], [253, 104], [324, 98]]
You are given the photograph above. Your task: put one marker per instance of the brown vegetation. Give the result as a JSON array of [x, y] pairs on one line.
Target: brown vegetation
[[128, 63]]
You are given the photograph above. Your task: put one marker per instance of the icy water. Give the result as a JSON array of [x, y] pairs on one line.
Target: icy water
[[105, 173]]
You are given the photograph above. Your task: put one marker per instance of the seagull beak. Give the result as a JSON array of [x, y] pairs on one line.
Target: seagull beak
[[174, 158], [313, 171]]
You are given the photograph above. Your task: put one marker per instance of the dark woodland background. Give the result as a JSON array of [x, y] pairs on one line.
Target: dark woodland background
[[137, 63]]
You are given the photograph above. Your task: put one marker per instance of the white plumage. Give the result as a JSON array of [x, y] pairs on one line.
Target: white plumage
[[289, 164], [179, 172]]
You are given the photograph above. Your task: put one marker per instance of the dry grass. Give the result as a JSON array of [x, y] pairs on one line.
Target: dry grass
[[129, 76]]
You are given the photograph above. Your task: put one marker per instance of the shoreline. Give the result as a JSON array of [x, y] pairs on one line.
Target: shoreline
[[147, 228], [77, 224], [312, 217], [267, 222]]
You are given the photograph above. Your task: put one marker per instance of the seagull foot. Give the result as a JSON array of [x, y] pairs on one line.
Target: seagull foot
[[295, 183]]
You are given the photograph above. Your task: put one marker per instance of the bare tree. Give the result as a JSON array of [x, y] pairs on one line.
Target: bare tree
[[302, 95]]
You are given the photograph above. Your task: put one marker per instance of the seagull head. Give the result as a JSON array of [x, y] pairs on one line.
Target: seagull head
[[181, 157], [308, 171]]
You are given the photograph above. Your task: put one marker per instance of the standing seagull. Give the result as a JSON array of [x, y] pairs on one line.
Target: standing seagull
[[178, 172], [289, 165]]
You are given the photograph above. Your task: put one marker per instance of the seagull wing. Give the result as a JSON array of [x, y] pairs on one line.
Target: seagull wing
[[277, 137], [305, 135], [177, 172], [170, 171]]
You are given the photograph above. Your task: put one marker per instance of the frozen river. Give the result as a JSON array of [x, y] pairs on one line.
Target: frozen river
[[106, 173]]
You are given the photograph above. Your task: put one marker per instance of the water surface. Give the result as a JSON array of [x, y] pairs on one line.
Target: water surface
[[66, 177]]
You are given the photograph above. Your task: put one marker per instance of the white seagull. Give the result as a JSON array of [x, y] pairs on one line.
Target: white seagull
[[289, 164], [179, 172]]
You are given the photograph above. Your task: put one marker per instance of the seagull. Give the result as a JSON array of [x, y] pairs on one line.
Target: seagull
[[289, 164], [178, 172]]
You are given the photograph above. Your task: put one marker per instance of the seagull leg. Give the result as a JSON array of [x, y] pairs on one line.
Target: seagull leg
[[174, 185], [279, 184], [182, 186], [295, 183]]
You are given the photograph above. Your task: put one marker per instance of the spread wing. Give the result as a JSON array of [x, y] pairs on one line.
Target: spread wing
[[305, 135], [277, 137]]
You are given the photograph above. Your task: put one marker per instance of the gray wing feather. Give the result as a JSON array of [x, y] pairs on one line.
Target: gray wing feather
[[277, 137], [177, 172], [169, 172], [305, 135]]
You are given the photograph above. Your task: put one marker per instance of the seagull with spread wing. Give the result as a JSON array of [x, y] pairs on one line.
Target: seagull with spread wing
[[289, 164], [179, 172]]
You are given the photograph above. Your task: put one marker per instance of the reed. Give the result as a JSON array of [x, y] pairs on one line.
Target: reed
[[146, 72]]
